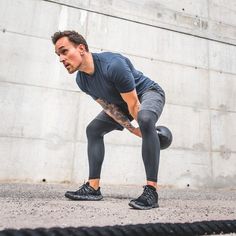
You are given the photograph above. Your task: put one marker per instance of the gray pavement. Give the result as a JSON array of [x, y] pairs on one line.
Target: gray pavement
[[44, 205]]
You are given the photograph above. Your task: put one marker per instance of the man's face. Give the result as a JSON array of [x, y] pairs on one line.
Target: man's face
[[69, 54]]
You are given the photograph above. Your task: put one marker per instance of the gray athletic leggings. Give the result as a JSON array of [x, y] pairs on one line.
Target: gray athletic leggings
[[150, 144]]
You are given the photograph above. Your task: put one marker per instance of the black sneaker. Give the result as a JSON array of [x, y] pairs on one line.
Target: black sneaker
[[86, 193], [148, 199]]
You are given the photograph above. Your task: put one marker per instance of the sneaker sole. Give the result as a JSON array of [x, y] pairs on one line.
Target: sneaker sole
[[83, 198], [138, 207]]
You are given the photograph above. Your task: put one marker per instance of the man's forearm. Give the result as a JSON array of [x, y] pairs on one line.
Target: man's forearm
[[134, 111], [117, 114], [132, 100]]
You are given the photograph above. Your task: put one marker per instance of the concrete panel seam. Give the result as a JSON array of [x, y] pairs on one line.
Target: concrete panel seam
[[130, 54], [142, 23], [4, 30], [40, 86], [32, 138], [79, 92], [165, 61]]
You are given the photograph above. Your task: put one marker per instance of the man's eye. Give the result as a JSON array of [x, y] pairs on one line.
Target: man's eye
[[64, 52]]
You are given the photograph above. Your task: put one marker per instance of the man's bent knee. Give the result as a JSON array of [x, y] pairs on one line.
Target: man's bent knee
[[146, 119], [92, 129]]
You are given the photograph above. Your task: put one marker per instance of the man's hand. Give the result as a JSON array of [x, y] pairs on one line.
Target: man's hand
[[137, 132]]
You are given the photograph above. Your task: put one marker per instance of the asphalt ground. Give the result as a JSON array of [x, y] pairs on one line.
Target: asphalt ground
[[44, 205]]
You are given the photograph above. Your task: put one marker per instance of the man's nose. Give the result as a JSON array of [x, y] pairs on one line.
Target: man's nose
[[62, 58]]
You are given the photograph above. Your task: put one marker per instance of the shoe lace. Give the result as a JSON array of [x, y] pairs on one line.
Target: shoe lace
[[83, 189], [147, 193]]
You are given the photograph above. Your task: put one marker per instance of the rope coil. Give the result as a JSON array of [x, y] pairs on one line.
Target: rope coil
[[154, 229]]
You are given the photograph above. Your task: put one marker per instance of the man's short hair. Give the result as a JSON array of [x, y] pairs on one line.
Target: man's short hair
[[73, 37]]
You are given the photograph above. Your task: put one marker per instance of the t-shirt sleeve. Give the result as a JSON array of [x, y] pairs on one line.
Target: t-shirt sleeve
[[120, 74], [93, 97]]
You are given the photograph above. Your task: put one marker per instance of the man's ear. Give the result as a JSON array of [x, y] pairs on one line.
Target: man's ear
[[81, 48]]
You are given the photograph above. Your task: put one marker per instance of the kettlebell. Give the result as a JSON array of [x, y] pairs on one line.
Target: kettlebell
[[165, 136]]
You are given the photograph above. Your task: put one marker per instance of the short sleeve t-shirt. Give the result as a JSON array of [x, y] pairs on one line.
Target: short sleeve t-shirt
[[113, 74]]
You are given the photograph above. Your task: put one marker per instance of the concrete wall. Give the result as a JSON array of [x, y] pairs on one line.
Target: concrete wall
[[187, 46]]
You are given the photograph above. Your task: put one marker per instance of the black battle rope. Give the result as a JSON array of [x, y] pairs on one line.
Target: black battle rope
[[181, 229]]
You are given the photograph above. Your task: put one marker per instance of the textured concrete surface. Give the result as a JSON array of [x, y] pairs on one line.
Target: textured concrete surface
[[44, 205]]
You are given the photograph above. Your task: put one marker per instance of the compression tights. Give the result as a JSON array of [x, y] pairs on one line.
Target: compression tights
[[150, 144]]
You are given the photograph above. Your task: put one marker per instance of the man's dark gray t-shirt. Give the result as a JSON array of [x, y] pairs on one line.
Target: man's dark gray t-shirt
[[114, 74]]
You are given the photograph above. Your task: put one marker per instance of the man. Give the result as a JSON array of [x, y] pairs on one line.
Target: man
[[124, 94]]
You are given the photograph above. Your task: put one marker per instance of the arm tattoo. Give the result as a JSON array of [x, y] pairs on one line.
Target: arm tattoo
[[116, 113]]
